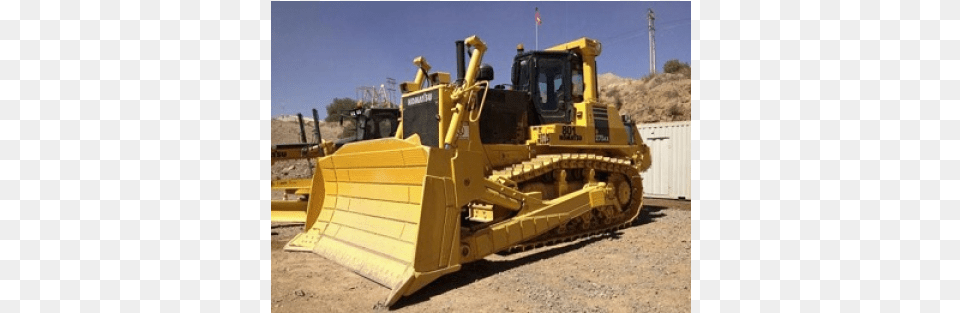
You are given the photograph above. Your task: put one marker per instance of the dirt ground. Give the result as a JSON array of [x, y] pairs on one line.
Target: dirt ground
[[643, 268]]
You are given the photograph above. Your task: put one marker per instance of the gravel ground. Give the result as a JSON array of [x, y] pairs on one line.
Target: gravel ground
[[643, 268]]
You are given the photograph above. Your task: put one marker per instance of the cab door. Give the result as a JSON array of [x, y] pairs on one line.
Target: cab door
[[551, 90]]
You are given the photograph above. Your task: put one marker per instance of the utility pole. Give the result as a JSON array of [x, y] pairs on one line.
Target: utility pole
[[653, 43]]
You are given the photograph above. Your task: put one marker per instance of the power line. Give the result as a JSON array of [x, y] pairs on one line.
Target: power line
[[638, 31]]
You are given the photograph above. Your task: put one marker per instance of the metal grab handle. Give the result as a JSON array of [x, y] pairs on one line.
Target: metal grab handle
[[482, 101]]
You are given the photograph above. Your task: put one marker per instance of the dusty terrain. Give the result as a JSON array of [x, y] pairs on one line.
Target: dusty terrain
[[643, 268]]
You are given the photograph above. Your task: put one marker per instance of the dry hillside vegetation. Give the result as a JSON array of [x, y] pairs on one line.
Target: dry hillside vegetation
[[658, 98]]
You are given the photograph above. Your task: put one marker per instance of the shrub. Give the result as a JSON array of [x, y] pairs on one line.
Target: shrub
[[675, 66], [675, 110], [338, 105]]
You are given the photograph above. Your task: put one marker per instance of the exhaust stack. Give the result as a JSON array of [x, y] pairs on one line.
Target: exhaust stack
[[460, 62]]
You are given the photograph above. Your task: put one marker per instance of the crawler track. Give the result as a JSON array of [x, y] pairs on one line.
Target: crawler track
[[601, 220]]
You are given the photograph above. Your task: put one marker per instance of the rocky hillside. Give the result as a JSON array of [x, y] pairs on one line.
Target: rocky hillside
[[659, 98], [287, 130]]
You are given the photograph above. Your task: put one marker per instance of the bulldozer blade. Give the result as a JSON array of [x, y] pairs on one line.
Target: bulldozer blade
[[387, 213]]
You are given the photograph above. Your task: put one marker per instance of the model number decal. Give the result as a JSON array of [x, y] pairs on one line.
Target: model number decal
[[570, 133], [543, 139], [601, 137]]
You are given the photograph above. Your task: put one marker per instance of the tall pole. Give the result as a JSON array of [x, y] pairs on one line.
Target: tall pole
[[536, 24], [303, 136], [653, 43]]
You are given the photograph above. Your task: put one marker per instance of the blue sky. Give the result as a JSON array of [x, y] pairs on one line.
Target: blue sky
[[325, 50]]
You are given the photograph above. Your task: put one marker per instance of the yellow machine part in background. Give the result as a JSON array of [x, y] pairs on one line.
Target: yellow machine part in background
[[290, 211]]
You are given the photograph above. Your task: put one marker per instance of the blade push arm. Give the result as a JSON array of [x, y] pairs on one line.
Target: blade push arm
[[463, 93]]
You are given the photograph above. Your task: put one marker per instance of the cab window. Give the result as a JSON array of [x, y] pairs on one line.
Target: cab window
[[385, 127], [544, 92], [577, 78], [523, 83], [550, 82]]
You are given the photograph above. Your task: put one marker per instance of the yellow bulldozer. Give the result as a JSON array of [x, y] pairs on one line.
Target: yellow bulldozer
[[477, 169]]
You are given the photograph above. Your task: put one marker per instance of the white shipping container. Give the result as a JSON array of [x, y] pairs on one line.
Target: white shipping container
[[669, 175]]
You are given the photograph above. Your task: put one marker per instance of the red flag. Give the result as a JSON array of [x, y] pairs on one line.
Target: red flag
[[538, 16]]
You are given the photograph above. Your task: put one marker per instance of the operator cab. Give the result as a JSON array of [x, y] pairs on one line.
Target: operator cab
[[554, 81]]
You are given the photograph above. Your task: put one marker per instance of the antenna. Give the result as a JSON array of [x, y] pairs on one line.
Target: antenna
[[653, 42]]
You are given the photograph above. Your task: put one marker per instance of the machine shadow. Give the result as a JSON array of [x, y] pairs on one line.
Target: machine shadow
[[478, 270], [649, 214]]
